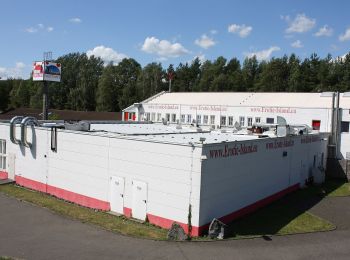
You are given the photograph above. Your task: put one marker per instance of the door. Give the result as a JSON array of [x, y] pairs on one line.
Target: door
[[126, 116], [11, 166], [116, 194], [139, 200]]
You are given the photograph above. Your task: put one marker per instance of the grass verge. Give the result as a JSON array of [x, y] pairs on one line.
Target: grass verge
[[288, 215]]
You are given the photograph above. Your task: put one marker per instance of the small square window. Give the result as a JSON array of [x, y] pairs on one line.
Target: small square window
[[270, 120]]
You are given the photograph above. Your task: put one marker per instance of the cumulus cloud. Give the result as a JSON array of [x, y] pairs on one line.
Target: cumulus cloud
[[108, 55], [75, 20], [300, 24], [38, 27], [242, 30], [163, 48], [324, 31], [297, 44], [345, 36], [205, 42], [13, 72], [263, 54]]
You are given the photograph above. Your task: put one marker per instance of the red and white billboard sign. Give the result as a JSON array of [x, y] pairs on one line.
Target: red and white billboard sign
[[46, 71]]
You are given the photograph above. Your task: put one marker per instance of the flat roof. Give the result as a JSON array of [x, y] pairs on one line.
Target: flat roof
[[195, 138], [140, 129]]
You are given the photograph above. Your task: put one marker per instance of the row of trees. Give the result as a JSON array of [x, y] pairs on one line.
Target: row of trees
[[87, 84]]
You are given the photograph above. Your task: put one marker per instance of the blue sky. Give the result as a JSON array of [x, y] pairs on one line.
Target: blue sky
[[169, 31]]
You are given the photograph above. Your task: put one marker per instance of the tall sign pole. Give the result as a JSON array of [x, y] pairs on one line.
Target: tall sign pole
[[46, 70], [170, 78], [47, 57]]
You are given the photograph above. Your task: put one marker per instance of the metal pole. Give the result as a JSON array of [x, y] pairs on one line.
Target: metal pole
[[170, 85], [332, 119], [45, 100], [337, 129]]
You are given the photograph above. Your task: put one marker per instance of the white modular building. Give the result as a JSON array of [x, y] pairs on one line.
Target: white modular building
[[161, 173], [224, 109]]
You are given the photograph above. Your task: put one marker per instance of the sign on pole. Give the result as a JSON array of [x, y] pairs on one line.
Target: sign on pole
[[46, 71]]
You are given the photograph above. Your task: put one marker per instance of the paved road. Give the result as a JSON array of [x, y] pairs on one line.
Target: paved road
[[30, 232]]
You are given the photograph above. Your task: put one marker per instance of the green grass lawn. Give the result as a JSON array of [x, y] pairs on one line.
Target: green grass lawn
[[288, 215]]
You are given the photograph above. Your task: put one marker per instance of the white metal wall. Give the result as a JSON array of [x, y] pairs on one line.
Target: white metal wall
[[84, 163], [231, 183]]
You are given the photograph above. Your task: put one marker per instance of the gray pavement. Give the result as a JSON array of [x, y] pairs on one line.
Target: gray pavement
[[31, 232]]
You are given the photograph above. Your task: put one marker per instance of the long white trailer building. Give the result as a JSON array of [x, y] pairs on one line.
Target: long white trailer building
[[224, 109], [161, 173]]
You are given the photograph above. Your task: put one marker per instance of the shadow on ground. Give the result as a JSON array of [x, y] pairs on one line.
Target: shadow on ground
[[287, 215]]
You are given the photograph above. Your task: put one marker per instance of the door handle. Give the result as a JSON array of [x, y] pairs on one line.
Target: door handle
[[144, 201]]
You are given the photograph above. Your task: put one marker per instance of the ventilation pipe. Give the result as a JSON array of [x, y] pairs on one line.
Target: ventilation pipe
[[15, 120], [25, 122]]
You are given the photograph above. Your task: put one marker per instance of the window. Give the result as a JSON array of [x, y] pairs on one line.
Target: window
[[182, 118], [223, 120], [205, 120], [199, 119], [257, 120], [132, 116], [159, 117], [142, 116], [148, 116], [241, 120], [230, 120], [189, 119], [316, 124], [250, 121], [344, 127], [2, 154], [173, 118], [212, 120], [167, 117], [153, 117], [270, 120]]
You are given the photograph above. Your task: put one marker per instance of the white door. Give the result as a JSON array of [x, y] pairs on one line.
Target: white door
[[139, 200], [11, 165], [116, 194]]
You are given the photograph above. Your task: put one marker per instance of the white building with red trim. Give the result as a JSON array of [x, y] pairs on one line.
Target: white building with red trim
[[163, 173], [223, 109]]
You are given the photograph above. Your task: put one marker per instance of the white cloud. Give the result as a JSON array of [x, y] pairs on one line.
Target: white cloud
[[38, 27], [300, 24], [242, 30], [213, 31], [75, 20], [297, 44], [263, 54], [205, 42], [13, 72], [31, 30], [345, 36], [324, 31], [163, 48], [106, 54]]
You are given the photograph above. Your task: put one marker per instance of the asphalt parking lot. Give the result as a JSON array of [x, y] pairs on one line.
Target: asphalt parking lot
[[31, 232]]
